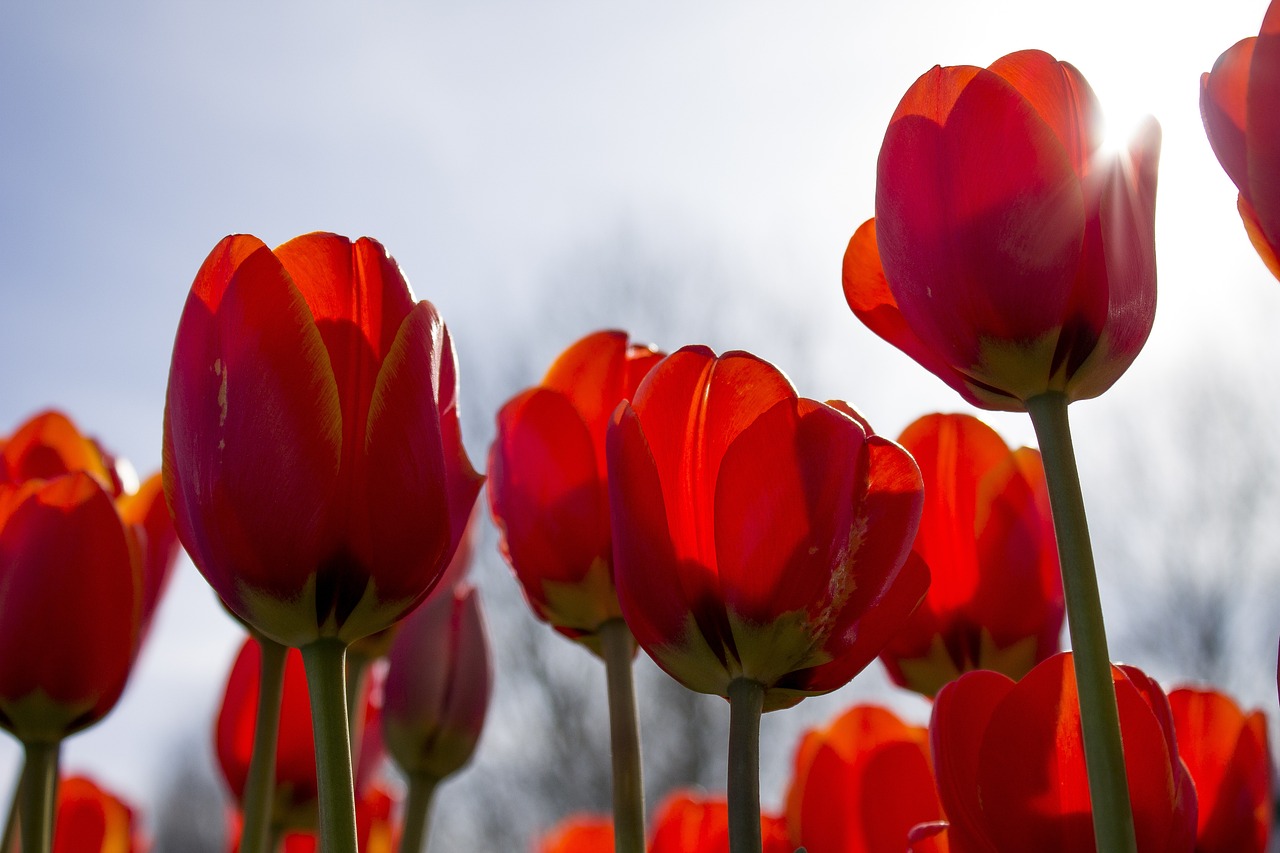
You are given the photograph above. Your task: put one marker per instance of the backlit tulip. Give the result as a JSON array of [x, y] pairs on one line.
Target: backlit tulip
[[71, 611], [93, 820], [1010, 254], [758, 535], [995, 592], [689, 822], [295, 762], [548, 487], [876, 768], [1225, 751], [312, 455], [1010, 765], [1237, 103]]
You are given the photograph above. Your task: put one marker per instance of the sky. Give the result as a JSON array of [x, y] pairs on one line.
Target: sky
[[538, 170]]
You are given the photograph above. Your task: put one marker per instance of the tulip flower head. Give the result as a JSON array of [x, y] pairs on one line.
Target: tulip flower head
[[1237, 103], [312, 455], [90, 819], [692, 822], [548, 486], [1010, 764], [758, 535], [1010, 255], [438, 685], [579, 834], [877, 768], [995, 595], [1225, 751]]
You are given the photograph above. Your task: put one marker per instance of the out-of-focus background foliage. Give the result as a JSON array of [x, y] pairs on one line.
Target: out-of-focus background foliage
[[688, 172]]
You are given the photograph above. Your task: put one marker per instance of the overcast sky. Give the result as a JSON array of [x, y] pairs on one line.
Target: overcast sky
[[538, 169]]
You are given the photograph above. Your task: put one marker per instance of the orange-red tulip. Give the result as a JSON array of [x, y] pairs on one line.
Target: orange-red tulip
[[71, 611], [578, 834], [1238, 103], [1010, 255], [90, 819], [312, 455], [548, 485], [295, 764], [49, 445], [1009, 761], [758, 534], [689, 822], [861, 784], [438, 686], [995, 595], [1225, 751]]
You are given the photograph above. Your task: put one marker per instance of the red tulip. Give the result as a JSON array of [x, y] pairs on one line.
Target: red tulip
[[1237, 102], [49, 445], [1225, 752], [548, 487], [71, 612], [696, 823], [876, 768], [995, 596], [438, 686], [1009, 255], [90, 819], [1009, 760], [295, 766], [579, 834], [758, 534], [375, 830], [312, 455]]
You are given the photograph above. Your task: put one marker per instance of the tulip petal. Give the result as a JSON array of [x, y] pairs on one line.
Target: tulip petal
[[47, 446], [147, 513], [252, 427], [1224, 110], [1262, 128], [1061, 97], [548, 495]]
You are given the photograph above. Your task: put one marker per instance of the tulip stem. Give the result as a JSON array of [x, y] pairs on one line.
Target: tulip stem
[[259, 787], [38, 790], [417, 812], [616, 647], [325, 661], [746, 705], [1100, 719]]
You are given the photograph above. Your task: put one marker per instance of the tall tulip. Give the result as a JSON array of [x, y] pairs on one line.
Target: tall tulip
[[760, 541], [1225, 751], [876, 768], [436, 697], [1010, 767], [312, 456], [548, 490], [1014, 257], [995, 594], [1237, 102]]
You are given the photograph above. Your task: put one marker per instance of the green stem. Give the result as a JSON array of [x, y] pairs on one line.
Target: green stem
[[417, 812], [259, 787], [39, 792], [325, 661], [617, 647], [746, 704], [1100, 720]]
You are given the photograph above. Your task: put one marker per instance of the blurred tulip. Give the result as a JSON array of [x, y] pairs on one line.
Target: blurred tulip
[[92, 820], [49, 445], [876, 768], [548, 487], [579, 834], [295, 764], [1010, 255], [690, 822], [71, 609], [436, 695], [1010, 764], [312, 455], [995, 593], [758, 536], [1237, 103], [1225, 752], [376, 830]]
